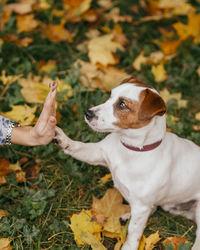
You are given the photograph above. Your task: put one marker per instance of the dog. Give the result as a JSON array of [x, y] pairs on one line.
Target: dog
[[149, 166]]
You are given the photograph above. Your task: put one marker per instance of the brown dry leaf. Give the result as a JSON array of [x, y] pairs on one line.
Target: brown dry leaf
[[5, 244], [3, 213], [175, 241], [111, 204], [102, 49], [112, 77], [140, 59], [19, 8], [26, 23], [114, 15], [112, 227], [32, 172], [94, 77], [24, 42], [75, 8], [4, 167], [57, 33], [4, 17], [106, 4], [191, 29]]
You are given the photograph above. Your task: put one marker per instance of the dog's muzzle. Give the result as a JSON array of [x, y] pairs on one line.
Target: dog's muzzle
[[89, 115]]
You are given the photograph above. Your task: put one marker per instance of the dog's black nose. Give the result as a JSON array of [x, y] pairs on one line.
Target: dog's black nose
[[89, 114]]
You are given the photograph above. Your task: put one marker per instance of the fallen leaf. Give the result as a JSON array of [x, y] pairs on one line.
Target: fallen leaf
[[191, 29], [175, 241], [3, 213], [103, 180], [159, 72], [82, 224], [151, 240], [92, 240], [26, 23], [57, 33], [198, 71], [111, 204], [104, 78], [5, 244], [4, 16], [8, 80], [142, 243], [140, 59], [114, 15], [197, 116], [170, 47], [102, 49], [46, 67], [19, 8], [23, 114], [76, 8], [165, 94]]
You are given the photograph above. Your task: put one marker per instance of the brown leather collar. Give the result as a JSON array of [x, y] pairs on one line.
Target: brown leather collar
[[145, 148]]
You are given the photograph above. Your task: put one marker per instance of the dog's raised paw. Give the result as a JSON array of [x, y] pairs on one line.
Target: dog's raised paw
[[62, 140]]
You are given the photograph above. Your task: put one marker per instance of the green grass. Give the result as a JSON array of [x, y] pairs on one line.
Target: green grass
[[40, 208]]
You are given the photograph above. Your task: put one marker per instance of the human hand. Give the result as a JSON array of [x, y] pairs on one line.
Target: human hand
[[44, 130]]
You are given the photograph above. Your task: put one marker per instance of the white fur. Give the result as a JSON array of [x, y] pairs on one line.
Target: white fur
[[168, 175]]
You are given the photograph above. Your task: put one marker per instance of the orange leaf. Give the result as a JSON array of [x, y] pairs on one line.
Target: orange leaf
[[57, 33], [175, 241], [169, 47], [26, 23]]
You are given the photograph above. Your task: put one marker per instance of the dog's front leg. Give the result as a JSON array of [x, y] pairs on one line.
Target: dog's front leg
[[86, 152], [139, 216]]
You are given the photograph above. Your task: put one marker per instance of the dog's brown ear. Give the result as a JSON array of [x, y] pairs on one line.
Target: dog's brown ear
[[152, 104]]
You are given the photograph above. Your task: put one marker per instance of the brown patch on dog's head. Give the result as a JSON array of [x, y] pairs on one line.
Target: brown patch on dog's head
[[137, 114], [135, 81]]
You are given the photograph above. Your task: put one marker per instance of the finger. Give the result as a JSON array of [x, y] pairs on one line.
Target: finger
[[49, 105]]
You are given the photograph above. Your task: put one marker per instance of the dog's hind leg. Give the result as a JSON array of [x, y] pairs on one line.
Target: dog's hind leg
[[196, 245]]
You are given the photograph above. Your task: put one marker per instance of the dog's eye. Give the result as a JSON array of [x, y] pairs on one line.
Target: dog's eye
[[122, 104]]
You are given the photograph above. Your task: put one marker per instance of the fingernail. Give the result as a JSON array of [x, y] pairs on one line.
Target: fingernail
[[53, 89]]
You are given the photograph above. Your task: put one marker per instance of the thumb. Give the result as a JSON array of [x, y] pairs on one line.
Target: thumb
[[51, 123]]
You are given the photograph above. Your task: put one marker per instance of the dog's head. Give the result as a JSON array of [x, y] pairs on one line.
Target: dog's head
[[132, 105]]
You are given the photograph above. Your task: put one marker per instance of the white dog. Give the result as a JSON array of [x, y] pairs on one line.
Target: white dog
[[149, 166]]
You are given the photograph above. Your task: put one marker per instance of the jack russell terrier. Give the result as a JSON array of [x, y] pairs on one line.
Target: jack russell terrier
[[149, 166]]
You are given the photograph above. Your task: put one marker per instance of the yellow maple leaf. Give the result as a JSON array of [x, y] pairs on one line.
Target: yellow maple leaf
[[23, 114], [81, 224], [159, 72], [110, 204], [8, 80], [102, 49], [191, 29], [5, 244], [142, 243], [92, 240], [26, 23], [165, 94], [151, 241]]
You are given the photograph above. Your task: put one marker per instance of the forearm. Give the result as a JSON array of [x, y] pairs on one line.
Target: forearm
[[23, 136]]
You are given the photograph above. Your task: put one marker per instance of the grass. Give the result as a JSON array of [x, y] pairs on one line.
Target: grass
[[40, 208]]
